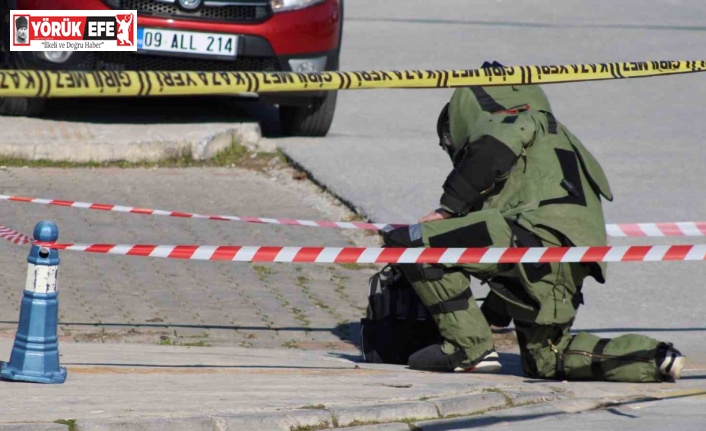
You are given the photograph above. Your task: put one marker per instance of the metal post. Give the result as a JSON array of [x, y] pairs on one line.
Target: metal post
[[35, 354]]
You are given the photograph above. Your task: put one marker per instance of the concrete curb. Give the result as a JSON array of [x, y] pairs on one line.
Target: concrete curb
[[520, 397], [535, 410], [505, 416], [364, 417], [285, 420], [247, 134], [34, 427], [141, 424], [379, 413], [468, 405]]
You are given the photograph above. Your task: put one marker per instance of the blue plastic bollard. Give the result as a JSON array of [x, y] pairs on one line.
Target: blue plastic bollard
[[35, 354]]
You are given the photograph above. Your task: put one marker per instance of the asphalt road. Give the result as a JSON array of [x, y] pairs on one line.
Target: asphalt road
[[679, 412]]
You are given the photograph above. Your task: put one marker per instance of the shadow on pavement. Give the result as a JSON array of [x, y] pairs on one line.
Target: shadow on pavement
[[484, 421], [511, 363], [200, 366], [489, 419], [639, 330], [190, 326], [348, 356], [348, 333], [619, 413]]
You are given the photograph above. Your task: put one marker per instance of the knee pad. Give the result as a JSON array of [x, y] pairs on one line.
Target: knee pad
[[625, 358]]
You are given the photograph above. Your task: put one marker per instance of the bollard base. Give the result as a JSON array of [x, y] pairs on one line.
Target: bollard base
[[7, 373]]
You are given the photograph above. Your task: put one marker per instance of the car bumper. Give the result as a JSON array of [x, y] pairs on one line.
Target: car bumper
[[268, 45], [283, 31]]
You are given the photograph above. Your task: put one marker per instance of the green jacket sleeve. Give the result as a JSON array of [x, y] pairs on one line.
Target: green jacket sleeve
[[474, 175], [490, 154]]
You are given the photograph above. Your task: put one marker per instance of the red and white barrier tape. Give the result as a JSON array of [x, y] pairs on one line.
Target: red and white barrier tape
[[397, 255], [615, 230], [147, 211], [13, 236], [657, 229]]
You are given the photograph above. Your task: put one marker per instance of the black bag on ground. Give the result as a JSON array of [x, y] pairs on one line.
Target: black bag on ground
[[397, 323]]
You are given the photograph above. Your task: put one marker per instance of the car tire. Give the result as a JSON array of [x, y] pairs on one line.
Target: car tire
[[21, 106], [15, 106], [311, 120]]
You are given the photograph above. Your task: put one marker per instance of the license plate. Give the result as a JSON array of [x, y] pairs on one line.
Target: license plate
[[186, 42]]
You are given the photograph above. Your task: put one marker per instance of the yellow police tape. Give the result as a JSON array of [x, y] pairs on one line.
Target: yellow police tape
[[19, 83]]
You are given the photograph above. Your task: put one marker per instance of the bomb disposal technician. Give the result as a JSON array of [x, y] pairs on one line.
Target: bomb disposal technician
[[520, 178]]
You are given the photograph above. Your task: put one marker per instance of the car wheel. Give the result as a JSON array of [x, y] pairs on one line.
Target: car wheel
[[311, 120], [21, 106], [15, 106]]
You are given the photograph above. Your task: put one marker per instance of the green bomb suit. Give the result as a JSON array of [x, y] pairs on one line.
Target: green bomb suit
[[520, 178]]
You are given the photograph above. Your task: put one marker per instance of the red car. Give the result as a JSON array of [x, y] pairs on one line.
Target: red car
[[252, 35]]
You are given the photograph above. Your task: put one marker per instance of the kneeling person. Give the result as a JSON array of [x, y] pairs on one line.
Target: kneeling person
[[520, 178]]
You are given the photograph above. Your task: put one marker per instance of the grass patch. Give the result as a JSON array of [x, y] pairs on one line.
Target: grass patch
[[321, 304], [165, 341], [314, 407], [508, 400], [301, 317], [320, 426], [101, 335], [263, 271], [357, 423], [302, 283], [204, 334], [196, 344], [357, 266], [234, 156], [339, 280], [71, 423], [409, 421], [291, 344], [282, 299], [340, 289]]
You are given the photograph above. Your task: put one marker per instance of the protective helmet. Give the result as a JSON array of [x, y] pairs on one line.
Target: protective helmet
[[469, 104], [444, 132]]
